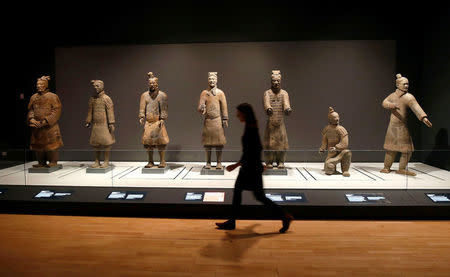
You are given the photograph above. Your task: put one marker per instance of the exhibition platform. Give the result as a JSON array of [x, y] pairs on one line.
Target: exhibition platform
[[306, 191]]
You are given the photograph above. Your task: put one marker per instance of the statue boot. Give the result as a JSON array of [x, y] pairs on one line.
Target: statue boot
[[345, 162], [41, 159], [150, 163], [53, 158], [208, 158], [281, 157], [219, 158], [404, 159], [96, 163], [107, 155], [388, 161], [162, 160], [269, 159]]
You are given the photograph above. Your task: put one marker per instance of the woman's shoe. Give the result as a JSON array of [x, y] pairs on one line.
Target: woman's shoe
[[227, 225], [286, 223]]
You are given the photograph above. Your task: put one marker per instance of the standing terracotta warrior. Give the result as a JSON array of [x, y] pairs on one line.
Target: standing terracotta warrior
[[397, 135], [101, 118], [44, 111], [276, 105], [213, 105], [153, 112], [335, 140]]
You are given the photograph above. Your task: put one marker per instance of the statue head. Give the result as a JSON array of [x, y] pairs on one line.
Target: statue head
[[42, 83], [401, 83], [152, 82], [98, 85], [212, 79], [276, 79], [333, 117]]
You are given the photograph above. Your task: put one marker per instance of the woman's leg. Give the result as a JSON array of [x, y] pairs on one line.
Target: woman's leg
[[260, 196], [237, 199], [231, 223], [284, 216]]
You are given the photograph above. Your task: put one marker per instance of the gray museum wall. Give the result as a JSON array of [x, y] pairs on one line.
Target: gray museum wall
[[352, 76]]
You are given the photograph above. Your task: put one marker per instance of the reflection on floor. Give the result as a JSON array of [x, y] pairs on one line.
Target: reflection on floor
[[187, 175]]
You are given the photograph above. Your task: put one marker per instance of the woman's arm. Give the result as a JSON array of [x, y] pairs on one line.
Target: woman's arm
[[232, 167]]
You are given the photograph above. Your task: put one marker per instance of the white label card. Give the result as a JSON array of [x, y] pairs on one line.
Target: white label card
[[214, 197]]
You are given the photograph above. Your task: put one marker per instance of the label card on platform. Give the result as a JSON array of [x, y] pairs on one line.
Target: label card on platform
[[286, 197], [367, 198], [214, 197], [126, 195], [49, 194], [439, 197], [194, 196]]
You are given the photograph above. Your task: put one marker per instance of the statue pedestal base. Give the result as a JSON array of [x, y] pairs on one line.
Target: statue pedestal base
[[44, 169], [99, 170], [275, 171], [212, 171], [155, 170]]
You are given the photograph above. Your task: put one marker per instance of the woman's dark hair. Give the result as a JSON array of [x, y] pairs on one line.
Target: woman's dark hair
[[247, 110]]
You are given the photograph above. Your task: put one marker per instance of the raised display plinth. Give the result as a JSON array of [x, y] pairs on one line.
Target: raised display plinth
[[212, 171], [155, 170], [275, 171], [99, 170], [44, 169]]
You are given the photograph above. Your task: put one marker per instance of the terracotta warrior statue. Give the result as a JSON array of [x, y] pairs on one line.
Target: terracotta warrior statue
[[213, 105], [101, 117], [335, 140], [276, 105], [397, 135], [44, 111], [153, 112]]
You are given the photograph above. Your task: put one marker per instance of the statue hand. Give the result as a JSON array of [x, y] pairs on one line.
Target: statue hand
[[269, 111], [202, 109], [225, 123], [427, 122], [161, 123], [111, 128], [288, 111], [142, 120], [394, 107], [33, 123], [321, 150], [332, 149]]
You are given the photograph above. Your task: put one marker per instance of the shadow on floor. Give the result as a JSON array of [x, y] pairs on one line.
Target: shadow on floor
[[234, 244]]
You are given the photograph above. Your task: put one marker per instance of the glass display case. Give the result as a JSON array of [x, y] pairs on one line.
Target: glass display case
[[353, 77]]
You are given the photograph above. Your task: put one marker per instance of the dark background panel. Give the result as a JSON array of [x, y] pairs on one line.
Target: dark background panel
[[316, 74]]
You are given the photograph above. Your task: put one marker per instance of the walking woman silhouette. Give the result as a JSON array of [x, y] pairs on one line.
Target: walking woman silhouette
[[250, 173]]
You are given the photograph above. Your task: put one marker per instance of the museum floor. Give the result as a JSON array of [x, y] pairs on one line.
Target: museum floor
[[34, 245]]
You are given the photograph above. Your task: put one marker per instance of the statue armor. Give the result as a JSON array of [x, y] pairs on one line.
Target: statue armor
[[215, 105], [100, 115], [277, 106], [154, 108], [275, 135], [44, 111], [397, 137], [336, 136], [45, 106]]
